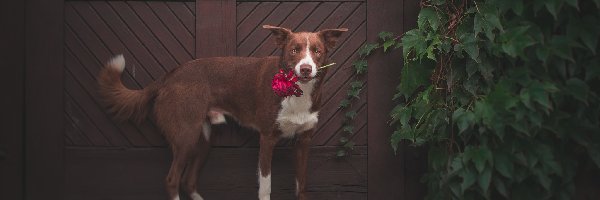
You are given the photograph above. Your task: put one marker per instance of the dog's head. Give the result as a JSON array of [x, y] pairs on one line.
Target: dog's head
[[305, 52]]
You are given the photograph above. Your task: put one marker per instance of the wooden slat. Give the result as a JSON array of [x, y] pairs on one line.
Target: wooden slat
[[359, 121], [185, 15], [215, 28], [253, 20], [166, 37], [83, 125], [390, 176], [74, 135], [268, 47], [316, 17], [128, 20], [342, 12], [12, 79], [107, 37], [329, 128], [243, 10], [91, 43], [259, 35], [140, 173], [129, 45], [44, 132], [116, 133], [97, 30], [92, 107]]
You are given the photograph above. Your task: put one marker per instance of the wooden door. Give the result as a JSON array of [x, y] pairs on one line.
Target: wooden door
[[97, 158]]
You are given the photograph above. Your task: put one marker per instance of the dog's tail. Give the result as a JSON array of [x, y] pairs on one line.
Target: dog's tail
[[122, 102]]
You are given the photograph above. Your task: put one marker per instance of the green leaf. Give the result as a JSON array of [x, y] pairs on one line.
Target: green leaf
[[469, 42], [456, 164], [464, 119], [573, 3], [594, 152], [428, 15], [479, 156], [515, 40], [413, 40], [560, 46], [356, 84], [503, 164], [384, 35], [543, 178], [484, 111], [500, 187], [517, 7], [414, 75], [469, 178], [354, 92], [351, 114], [553, 6], [539, 94], [403, 114], [343, 140], [398, 136], [344, 103], [348, 129], [387, 44], [367, 49], [589, 33], [341, 153], [349, 145], [578, 89], [360, 66], [485, 178]]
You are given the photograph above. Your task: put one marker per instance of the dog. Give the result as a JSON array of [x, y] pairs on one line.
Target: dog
[[189, 99]]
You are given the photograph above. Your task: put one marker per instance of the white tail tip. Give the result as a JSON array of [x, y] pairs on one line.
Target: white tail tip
[[117, 62]]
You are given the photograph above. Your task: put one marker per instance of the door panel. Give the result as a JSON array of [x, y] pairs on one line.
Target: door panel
[[105, 159]]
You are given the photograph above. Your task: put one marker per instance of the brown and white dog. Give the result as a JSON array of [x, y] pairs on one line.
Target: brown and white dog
[[185, 102]]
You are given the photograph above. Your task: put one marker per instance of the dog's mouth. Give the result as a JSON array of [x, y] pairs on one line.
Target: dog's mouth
[[304, 78]]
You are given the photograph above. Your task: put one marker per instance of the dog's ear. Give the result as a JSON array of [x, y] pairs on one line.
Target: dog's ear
[[281, 35], [330, 36]]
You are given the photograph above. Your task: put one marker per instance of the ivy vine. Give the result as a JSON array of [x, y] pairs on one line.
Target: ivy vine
[[505, 92], [359, 67]]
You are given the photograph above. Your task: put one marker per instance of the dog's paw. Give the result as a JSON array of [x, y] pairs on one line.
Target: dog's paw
[[196, 196]]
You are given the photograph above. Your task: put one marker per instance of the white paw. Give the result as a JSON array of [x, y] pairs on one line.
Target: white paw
[[196, 196]]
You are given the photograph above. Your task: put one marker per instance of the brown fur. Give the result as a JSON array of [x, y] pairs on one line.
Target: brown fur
[[241, 87]]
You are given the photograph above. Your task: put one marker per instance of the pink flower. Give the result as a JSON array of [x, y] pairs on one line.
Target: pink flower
[[284, 85]]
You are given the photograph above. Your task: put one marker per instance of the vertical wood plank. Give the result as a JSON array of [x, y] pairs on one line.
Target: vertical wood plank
[[12, 54], [386, 170], [215, 28], [44, 120], [415, 158]]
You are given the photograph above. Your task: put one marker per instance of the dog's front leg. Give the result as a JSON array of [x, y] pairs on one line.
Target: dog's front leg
[[302, 149], [267, 144]]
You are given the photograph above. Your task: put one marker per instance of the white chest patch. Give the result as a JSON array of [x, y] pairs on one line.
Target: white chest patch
[[295, 116]]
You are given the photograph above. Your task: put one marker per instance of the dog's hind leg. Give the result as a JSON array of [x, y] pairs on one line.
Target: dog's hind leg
[[192, 171], [184, 146]]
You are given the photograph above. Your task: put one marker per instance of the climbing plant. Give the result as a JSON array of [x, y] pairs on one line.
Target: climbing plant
[[506, 95], [359, 67]]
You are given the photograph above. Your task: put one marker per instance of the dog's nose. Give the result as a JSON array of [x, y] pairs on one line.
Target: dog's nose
[[305, 69]]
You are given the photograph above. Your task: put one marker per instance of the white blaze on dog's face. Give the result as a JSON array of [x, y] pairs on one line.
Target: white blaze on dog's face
[[305, 52]]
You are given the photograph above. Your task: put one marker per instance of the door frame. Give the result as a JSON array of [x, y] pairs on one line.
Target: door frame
[[44, 84]]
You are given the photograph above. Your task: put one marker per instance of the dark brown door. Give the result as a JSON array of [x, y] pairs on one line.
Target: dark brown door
[[97, 158]]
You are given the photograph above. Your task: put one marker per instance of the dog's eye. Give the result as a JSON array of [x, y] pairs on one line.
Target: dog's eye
[[317, 51], [294, 51]]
